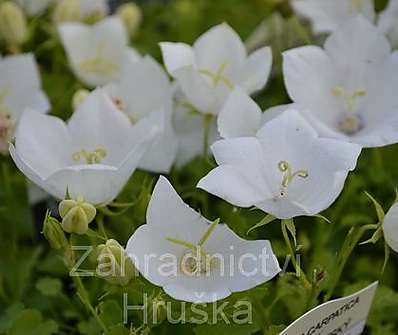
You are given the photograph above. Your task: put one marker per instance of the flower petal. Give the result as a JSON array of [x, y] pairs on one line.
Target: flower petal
[[177, 56], [240, 116], [390, 227]]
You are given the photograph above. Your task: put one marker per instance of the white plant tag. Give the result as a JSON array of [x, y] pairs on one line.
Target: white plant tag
[[343, 316]]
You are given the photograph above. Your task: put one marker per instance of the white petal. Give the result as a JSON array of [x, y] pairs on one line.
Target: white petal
[[390, 227], [220, 45], [42, 142], [205, 98], [256, 70], [97, 123], [161, 155], [370, 47], [240, 116], [309, 78], [177, 56], [165, 201]]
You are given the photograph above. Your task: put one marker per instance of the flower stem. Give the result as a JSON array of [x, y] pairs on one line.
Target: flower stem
[[292, 254], [352, 239]]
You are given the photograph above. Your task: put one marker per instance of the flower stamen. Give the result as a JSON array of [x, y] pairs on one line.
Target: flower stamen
[[219, 76], [350, 99], [98, 64], [90, 157]]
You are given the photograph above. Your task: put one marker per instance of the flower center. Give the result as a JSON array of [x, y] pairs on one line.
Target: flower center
[[350, 123], [195, 261], [90, 157], [289, 175], [99, 64], [218, 76], [350, 99]]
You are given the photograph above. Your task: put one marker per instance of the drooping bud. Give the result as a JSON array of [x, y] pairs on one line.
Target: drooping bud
[[131, 16], [79, 97], [54, 233], [67, 11], [13, 25], [76, 215], [113, 263]]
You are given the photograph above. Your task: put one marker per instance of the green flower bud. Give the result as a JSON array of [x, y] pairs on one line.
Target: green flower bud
[[131, 16], [76, 215], [13, 25], [54, 233], [67, 11], [114, 264], [79, 97]]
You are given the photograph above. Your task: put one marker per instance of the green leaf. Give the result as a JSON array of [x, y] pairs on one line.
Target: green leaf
[[375, 237], [291, 228], [378, 207], [49, 286], [9, 316], [267, 219], [30, 322]]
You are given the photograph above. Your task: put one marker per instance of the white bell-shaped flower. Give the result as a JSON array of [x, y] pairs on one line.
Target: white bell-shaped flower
[[390, 227], [328, 15], [91, 157], [347, 90], [217, 62], [192, 258], [144, 92], [388, 22], [286, 170], [97, 53], [20, 88]]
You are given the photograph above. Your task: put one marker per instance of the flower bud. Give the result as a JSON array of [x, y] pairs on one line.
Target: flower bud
[[131, 16], [114, 264], [79, 97], [157, 309], [13, 25], [53, 232], [67, 11], [76, 215]]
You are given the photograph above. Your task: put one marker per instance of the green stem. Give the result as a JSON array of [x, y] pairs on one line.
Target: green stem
[[82, 292], [292, 255], [352, 239]]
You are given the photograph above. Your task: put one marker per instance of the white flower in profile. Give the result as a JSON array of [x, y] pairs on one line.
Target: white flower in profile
[[347, 90], [20, 88], [91, 157], [328, 15], [388, 22], [96, 53], [144, 92], [286, 170], [96, 8], [189, 128], [192, 258], [217, 62], [390, 227], [35, 7]]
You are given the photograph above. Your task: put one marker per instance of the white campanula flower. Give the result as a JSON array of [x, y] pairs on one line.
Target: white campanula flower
[[192, 258], [347, 90], [144, 92], [96, 53], [388, 22], [217, 62], [390, 227], [34, 7], [189, 128], [90, 158], [328, 15], [20, 88], [286, 170]]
